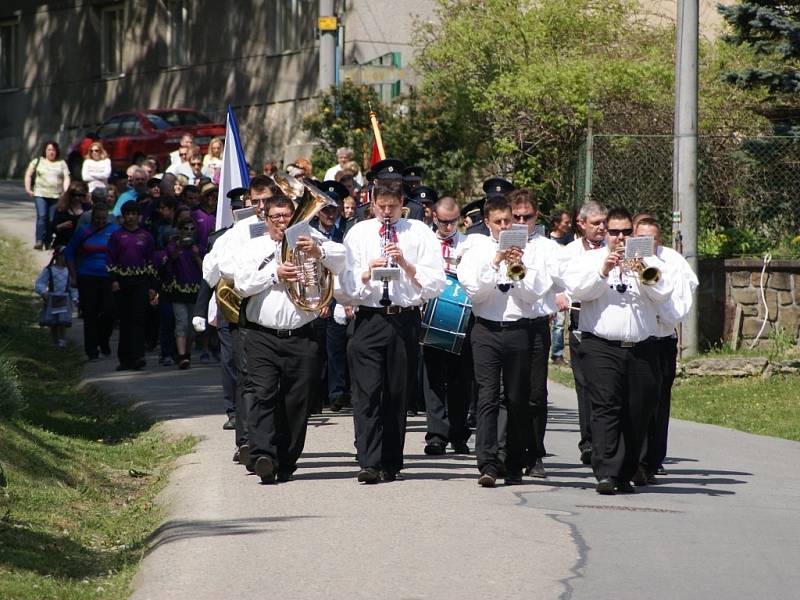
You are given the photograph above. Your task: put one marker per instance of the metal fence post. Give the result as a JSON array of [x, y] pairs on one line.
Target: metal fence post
[[588, 162]]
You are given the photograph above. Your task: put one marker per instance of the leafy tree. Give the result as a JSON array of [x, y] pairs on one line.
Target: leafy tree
[[772, 29], [342, 119], [526, 75]]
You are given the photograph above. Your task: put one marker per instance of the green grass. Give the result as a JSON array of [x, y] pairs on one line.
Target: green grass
[[82, 472], [763, 406]]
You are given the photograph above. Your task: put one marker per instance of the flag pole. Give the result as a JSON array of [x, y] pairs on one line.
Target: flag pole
[[373, 119]]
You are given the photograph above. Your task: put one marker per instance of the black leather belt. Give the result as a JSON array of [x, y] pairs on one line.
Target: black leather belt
[[518, 324], [304, 331], [387, 310], [619, 343]]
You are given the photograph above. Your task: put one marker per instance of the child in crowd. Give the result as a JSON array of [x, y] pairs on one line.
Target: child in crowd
[[53, 286]]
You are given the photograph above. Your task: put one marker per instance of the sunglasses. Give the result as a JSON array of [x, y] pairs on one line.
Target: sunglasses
[[616, 232], [525, 217], [95, 150], [447, 221], [196, 164]]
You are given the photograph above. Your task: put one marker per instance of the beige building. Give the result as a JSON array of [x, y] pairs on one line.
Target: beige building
[[67, 65]]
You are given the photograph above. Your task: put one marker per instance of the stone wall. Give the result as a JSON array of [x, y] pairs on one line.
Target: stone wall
[[728, 285]]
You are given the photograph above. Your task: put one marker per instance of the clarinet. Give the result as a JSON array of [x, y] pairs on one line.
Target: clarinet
[[385, 300]]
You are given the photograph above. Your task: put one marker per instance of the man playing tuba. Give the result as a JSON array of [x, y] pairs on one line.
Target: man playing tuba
[[283, 354]]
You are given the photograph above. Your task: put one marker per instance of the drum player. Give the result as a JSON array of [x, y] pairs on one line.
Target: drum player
[[504, 309], [448, 376]]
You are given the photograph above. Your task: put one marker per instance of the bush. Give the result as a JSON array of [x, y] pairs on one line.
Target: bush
[[11, 400]]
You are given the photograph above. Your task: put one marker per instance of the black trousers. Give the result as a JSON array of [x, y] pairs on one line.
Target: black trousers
[[244, 386], [382, 357], [228, 364], [284, 372], [622, 385], [336, 351], [654, 449], [447, 378], [97, 308], [584, 402], [540, 355], [131, 306], [502, 353]]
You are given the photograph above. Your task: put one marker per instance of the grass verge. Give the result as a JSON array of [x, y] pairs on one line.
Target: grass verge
[[763, 406], [82, 473]]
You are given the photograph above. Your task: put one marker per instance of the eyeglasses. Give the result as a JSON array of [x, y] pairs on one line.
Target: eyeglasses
[[280, 216], [616, 232], [526, 217]]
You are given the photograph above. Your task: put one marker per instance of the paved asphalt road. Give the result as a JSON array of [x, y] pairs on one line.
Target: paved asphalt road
[[723, 524]]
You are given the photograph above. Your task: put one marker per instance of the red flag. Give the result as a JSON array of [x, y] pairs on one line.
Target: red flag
[[375, 155]]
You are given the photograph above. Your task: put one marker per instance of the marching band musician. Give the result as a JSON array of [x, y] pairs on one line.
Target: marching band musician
[[283, 354], [448, 376], [618, 318], [592, 227], [501, 338], [524, 211], [670, 314], [226, 254], [382, 352]]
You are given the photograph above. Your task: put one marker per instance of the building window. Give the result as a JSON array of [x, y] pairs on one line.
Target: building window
[[111, 39], [176, 33], [292, 24], [9, 71]]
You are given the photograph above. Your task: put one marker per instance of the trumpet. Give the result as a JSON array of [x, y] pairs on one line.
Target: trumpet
[[516, 271], [635, 266]]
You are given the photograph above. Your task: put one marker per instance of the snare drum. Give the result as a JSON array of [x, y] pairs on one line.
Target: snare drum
[[444, 322]]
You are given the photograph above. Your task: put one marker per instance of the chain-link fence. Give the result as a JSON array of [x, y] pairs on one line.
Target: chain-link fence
[[748, 188]]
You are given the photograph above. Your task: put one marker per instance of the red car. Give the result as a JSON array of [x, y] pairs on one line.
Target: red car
[[129, 137]]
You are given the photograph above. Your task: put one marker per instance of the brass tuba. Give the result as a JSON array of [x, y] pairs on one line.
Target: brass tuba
[[228, 301], [314, 288]]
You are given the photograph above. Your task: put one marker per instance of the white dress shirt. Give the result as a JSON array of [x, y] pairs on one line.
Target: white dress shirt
[[553, 254], [480, 280], [629, 316], [419, 246], [269, 304], [674, 310], [231, 252], [452, 252]]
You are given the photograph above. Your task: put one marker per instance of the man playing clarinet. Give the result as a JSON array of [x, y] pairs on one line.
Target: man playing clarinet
[[382, 352]]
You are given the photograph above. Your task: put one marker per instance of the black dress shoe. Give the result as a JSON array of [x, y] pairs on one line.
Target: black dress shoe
[[640, 477], [661, 471], [514, 478], [390, 476], [123, 367], [460, 447], [536, 470], [369, 475], [487, 479], [244, 454], [284, 476], [139, 364], [624, 487], [435, 448], [605, 487], [236, 456], [230, 423], [586, 456], [265, 469]]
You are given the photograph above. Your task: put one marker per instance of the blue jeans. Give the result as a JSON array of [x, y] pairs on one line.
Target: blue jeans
[[557, 348], [45, 211]]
